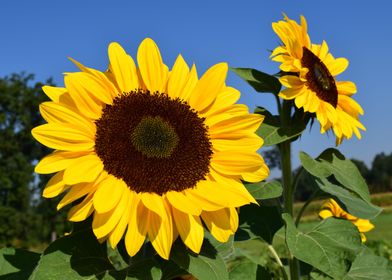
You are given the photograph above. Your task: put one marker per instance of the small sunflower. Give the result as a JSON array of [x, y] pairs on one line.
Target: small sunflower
[[150, 152], [309, 75], [332, 209]]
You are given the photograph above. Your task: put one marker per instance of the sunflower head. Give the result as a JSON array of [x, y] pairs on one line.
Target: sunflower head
[[309, 74], [332, 209], [150, 153]]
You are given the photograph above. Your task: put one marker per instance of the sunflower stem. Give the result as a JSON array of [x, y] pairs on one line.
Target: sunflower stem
[[288, 187]]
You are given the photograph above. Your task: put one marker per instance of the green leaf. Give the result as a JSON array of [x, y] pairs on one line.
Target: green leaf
[[354, 193], [16, 264], [260, 81], [225, 250], [272, 131], [346, 172], [207, 265], [246, 269], [367, 266], [314, 167], [353, 203], [258, 221], [76, 256], [265, 190], [329, 246], [144, 269], [255, 250]]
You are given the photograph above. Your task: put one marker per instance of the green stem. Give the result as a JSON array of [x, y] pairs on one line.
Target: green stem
[[276, 257], [288, 186]]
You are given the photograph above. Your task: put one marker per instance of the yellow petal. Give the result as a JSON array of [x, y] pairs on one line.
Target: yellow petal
[[153, 202], [250, 143], [183, 203], [208, 87], [85, 169], [123, 67], [76, 192], [160, 232], [54, 93], [256, 176], [236, 162], [218, 223], [190, 84], [225, 98], [190, 229], [56, 161], [339, 65], [104, 223], [325, 214], [136, 233], [56, 113], [236, 124], [151, 66], [84, 97], [83, 210], [108, 194], [346, 87], [178, 77], [290, 81], [55, 186], [66, 137], [117, 233]]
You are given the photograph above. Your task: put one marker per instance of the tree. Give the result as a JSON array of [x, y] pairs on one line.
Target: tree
[[20, 97]]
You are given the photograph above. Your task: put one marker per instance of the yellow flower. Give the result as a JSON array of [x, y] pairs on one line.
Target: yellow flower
[[151, 152], [332, 209], [309, 75]]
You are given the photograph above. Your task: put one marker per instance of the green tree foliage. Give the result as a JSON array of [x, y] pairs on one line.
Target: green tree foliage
[[380, 177], [20, 187]]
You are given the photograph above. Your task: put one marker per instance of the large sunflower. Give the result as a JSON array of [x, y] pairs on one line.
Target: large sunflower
[[332, 209], [309, 72], [150, 152]]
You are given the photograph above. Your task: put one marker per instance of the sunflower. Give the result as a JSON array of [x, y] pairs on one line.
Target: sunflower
[[150, 153], [309, 74], [332, 209]]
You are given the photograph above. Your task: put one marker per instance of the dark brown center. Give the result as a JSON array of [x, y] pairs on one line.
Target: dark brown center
[[319, 79], [153, 143]]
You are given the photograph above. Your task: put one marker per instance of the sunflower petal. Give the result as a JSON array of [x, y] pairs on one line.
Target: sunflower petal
[[208, 87], [178, 77], [151, 66], [54, 93], [83, 210], [55, 186], [137, 226], [108, 194], [63, 137], [218, 223], [85, 169], [190, 229], [123, 67], [57, 161]]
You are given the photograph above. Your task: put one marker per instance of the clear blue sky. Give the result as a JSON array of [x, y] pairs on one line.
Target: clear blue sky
[[38, 36]]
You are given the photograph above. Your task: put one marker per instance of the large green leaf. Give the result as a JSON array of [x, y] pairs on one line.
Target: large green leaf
[[352, 202], [246, 269], [76, 256], [258, 222], [16, 264], [260, 81], [330, 246], [367, 266], [265, 190], [353, 192], [208, 264], [273, 132]]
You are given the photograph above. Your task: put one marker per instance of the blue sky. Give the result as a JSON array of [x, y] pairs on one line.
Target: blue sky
[[38, 36]]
